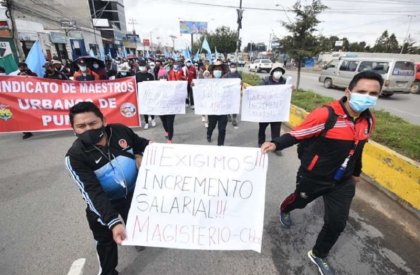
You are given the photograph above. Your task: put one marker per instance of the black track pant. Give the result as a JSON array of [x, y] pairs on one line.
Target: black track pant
[[221, 122], [275, 131], [337, 201], [168, 124], [190, 95], [146, 118], [105, 246]]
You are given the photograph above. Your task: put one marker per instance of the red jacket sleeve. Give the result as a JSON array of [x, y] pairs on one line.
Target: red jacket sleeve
[[312, 125]]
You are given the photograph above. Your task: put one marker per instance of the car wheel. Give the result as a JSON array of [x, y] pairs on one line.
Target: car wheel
[[415, 88], [386, 95], [328, 83]]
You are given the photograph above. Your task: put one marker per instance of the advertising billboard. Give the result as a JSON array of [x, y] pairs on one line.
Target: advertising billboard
[[192, 27]]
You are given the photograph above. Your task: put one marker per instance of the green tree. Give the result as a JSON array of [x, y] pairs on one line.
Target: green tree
[[223, 38], [392, 45], [302, 42]]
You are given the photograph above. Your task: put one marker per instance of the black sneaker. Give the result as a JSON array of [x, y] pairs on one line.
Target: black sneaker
[[323, 267], [234, 122], [208, 139], [27, 135], [285, 219]]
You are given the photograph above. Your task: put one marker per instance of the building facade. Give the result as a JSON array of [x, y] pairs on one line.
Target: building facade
[[64, 28], [109, 18]]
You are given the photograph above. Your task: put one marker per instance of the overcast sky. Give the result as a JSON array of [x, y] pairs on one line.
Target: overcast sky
[[358, 20]]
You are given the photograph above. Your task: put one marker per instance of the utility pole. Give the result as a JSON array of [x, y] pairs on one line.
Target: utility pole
[[240, 12], [15, 35], [410, 17], [133, 22], [93, 23], [173, 37]]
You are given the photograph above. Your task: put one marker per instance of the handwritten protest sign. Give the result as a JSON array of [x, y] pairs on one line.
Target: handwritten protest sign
[[199, 197], [217, 96], [39, 104], [266, 103], [162, 97]]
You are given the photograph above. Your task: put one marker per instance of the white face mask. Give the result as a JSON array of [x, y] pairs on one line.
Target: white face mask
[[123, 73], [188, 64], [82, 68], [217, 73], [142, 69], [277, 75], [233, 70], [96, 66]]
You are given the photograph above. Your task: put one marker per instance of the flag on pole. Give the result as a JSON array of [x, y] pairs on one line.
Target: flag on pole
[[196, 57], [208, 50], [186, 54], [36, 59], [206, 45], [101, 54]]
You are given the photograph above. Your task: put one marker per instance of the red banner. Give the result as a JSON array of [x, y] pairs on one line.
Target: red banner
[[30, 104]]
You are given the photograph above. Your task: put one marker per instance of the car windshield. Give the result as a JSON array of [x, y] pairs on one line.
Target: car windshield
[[380, 67], [265, 61]]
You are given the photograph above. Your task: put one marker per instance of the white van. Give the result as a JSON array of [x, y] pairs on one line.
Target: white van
[[398, 74]]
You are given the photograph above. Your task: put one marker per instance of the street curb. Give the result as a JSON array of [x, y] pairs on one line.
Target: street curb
[[392, 171]]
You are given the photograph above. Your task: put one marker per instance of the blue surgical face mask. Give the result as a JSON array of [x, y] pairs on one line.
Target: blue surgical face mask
[[361, 102], [217, 73]]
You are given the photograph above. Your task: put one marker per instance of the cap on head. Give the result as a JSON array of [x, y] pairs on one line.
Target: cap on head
[[278, 68], [218, 63], [81, 61]]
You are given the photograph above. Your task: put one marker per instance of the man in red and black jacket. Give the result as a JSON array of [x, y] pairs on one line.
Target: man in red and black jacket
[[104, 162], [331, 159]]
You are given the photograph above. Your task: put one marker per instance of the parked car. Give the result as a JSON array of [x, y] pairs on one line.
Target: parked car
[[415, 88], [260, 65], [241, 62], [399, 74]]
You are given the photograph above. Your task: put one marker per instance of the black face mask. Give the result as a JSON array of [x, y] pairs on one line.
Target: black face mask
[[92, 137]]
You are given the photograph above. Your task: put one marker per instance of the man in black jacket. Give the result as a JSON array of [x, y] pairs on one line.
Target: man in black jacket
[[104, 162]]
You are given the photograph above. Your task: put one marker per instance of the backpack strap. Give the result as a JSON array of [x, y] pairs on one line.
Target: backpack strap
[[331, 120]]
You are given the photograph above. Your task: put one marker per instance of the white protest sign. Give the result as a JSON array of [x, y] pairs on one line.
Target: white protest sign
[[270, 103], [199, 197], [162, 97], [217, 96]]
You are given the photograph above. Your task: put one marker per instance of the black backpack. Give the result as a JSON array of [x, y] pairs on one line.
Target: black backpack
[[329, 124]]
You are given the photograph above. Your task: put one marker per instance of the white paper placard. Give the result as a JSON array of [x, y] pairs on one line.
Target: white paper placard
[[199, 197], [217, 96], [270, 103], [162, 97]]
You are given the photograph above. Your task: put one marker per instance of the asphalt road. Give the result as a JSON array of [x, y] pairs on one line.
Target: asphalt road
[[402, 105], [43, 225]]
